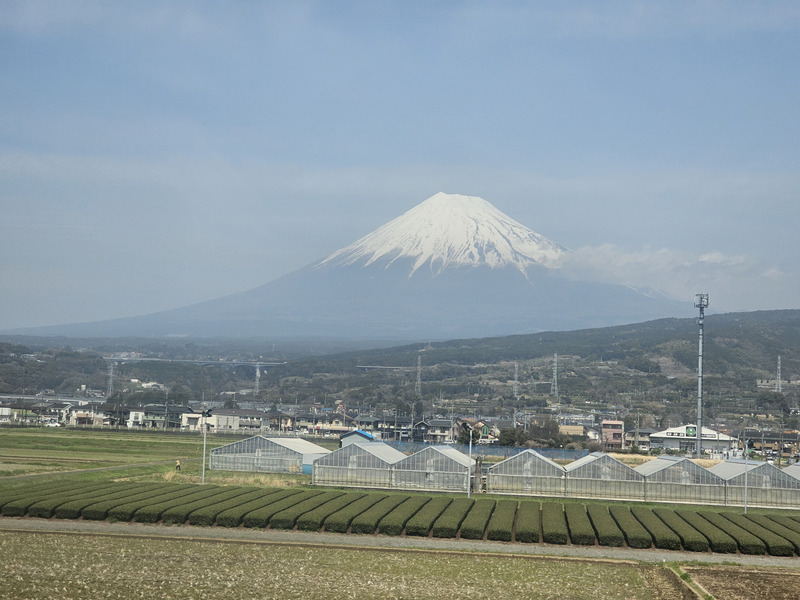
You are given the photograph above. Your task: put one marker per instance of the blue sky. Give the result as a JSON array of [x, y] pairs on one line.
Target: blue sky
[[153, 155]]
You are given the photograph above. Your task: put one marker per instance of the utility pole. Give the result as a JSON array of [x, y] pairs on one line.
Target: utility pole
[[701, 302]]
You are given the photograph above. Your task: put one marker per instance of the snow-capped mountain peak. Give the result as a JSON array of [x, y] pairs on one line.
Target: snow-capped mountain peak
[[451, 230]]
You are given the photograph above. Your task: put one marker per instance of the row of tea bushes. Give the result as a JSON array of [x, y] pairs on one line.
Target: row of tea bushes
[[395, 522], [339, 522], [367, 522], [501, 523], [525, 521]]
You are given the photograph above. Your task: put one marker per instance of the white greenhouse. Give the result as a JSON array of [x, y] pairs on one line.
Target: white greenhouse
[[267, 455], [528, 472], [360, 464], [599, 475], [762, 483], [435, 468], [677, 479]]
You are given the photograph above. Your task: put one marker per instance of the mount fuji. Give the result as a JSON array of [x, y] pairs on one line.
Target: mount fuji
[[452, 266]]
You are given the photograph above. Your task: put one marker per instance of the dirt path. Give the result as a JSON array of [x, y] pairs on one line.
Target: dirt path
[[260, 536]]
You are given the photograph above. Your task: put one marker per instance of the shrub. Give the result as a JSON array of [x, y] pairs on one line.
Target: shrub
[[177, 515], [73, 509], [635, 534], [232, 517], [776, 545], [420, 524], [367, 522], [580, 528], [608, 532], [41, 490], [151, 513], [205, 516], [286, 518], [339, 522], [313, 519], [102, 510], [554, 525], [44, 509], [395, 521], [747, 542], [474, 524], [718, 540], [786, 521], [501, 525], [528, 522], [663, 536], [768, 522], [261, 517], [692, 539], [21, 506], [446, 526]]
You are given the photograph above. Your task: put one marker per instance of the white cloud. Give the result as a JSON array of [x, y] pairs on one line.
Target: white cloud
[[736, 282]]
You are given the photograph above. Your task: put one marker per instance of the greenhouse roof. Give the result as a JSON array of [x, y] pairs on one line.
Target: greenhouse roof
[[382, 451], [735, 467], [665, 462]]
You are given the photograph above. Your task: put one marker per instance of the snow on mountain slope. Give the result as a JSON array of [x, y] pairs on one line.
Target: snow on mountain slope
[[451, 230]]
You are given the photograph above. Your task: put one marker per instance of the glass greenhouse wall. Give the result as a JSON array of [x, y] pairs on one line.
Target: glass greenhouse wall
[[267, 455], [436, 468], [761, 483], [358, 465], [599, 475], [674, 479], [527, 472]]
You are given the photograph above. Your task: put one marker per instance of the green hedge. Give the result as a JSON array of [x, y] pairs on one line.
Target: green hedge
[[528, 522], [259, 518], [663, 536], [446, 526], [554, 525], [126, 510], [420, 524], [579, 526], [286, 518], [786, 521], [474, 524], [44, 509], [151, 513], [790, 535], [101, 510], [339, 522], [776, 545], [41, 489], [395, 521], [367, 522], [693, 540], [608, 532], [207, 515], [21, 506], [635, 534], [233, 517], [313, 519], [501, 525], [718, 540], [747, 542], [178, 515], [74, 509]]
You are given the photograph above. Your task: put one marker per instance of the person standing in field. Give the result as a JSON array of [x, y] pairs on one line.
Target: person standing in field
[[178, 464]]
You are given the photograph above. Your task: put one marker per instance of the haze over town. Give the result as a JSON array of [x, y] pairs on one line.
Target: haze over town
[[156, 155]]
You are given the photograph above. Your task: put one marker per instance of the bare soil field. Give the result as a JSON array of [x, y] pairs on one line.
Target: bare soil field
[[746, 582]]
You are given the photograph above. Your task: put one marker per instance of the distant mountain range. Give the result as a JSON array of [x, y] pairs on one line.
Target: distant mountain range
[[452, 267]]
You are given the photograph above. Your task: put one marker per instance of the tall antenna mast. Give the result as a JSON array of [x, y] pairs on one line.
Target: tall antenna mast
[[701, 302], [111, 377], [516, 380], [778, 384], [258, 379], [418, 384], [554, 384]]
